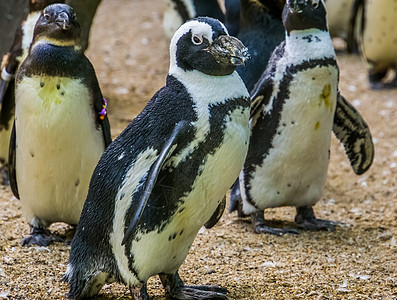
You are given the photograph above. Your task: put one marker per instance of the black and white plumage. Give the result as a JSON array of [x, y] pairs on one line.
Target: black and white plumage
[[59, 133], [378, 39], [177, 12], [10, 63], [166, 175], [296, 106]]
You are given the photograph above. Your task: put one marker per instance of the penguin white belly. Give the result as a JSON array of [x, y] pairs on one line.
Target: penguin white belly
[[294, 171], [58, 147], [164, 252], [380, 34]]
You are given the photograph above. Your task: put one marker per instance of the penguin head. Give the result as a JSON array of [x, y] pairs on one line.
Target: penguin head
[[39, 5], [58, 25], [304, 14], [204, 44]]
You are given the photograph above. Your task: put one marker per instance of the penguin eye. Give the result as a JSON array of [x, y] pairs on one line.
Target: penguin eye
[[315, 3], [47, 17], [197, 39], [74, 17]]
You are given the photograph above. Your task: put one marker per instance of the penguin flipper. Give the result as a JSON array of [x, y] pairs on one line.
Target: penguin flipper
[[217, 214], [12, 163], [260, 95], [353, 132], [180, 128]]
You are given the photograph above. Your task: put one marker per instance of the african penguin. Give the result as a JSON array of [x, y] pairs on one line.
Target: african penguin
[[177, 12], [378, 40], [166, 175], [261, 31], [61, 127], [295, 107], [339, 14], [10, 63]]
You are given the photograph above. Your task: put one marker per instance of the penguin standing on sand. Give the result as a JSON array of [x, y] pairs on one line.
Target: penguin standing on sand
[[166, 175], [295, 107], [61, 127], [378, 40], [10, 63]]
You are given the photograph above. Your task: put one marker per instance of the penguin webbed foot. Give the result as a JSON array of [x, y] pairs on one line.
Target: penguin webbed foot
[[40, 236], [176, 289], [306, 220], [375, 80], [259, 225]]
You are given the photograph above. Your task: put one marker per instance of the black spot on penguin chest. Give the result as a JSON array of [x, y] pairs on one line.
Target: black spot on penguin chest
[[175, 183]]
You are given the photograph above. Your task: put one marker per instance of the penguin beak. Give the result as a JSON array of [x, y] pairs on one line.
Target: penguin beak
[[229, 50], [63, 20]]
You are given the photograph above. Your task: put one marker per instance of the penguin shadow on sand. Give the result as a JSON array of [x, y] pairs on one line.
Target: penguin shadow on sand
[[295, 107]]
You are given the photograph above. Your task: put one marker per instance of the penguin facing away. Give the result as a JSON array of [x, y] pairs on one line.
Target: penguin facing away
[[261, 31], [378, 40], [166, 175], [10, 63], [295, 107], [177, 12], [61, 127]]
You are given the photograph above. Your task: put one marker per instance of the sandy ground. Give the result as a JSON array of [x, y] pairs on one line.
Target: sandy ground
[[357, 261]]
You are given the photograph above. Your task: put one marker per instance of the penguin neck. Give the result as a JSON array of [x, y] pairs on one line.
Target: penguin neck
[[52, 60], [313, 43], [218, 89]]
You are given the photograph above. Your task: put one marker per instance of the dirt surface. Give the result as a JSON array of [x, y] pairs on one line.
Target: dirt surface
[[357, 261]]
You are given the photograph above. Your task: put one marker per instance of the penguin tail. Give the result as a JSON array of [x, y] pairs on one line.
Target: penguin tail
[[85, 283]]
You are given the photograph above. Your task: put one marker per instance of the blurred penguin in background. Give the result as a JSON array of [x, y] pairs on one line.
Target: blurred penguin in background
[[177, 12], [378, 39], [339, 15]]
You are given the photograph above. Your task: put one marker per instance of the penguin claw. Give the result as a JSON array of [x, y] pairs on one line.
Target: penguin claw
[[41, 237], [199, 292]]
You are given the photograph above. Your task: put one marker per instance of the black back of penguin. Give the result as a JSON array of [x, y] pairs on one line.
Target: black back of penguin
[[261, 31]]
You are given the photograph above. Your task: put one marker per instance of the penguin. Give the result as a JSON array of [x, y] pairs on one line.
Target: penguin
[[61, 126], [295, 107], [232, 16], [10, 63], [177, 12], [378, 39], [339, 14], [166, 174], [261, 31]]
